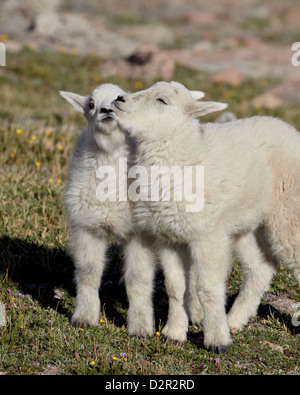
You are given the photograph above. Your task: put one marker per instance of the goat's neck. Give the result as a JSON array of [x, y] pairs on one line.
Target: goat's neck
[[177, 149], [106, 149]]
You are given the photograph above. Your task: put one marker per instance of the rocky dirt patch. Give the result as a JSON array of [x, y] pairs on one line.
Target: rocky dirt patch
[[230, 40]]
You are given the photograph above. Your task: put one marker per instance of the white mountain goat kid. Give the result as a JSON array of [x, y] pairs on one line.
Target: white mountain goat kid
[[251, 190], [94, 221]]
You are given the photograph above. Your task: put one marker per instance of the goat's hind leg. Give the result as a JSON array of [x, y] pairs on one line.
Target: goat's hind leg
[[287, 245], [284, 225], [254, 251]]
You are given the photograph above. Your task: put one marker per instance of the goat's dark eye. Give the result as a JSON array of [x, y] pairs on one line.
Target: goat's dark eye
[[120, 98], [91, 106], [161, 101]]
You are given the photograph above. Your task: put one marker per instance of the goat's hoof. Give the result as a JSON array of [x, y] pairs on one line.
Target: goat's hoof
[[169, 340], [142, 337], [218, 349], [79, 324]]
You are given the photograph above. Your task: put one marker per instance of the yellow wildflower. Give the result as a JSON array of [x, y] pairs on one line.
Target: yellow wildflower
[[102, 321], [4, 38], [33, 138], [58, 181], [80, 330], [60, 147], [93, 53], [157, 334], [230, 93], [263, 82], [12, 155], [138, 85], [41, 70], [19, 131], [38, 164], [96, 77], [92, 363], [61, 50]]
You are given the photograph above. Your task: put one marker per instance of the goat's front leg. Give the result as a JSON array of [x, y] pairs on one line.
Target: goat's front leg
[[192, 302], [88, 252], [140, 265], [175, 273], [181, 285], [211, 256]]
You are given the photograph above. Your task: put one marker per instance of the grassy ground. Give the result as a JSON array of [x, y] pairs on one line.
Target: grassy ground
[[37, 135]]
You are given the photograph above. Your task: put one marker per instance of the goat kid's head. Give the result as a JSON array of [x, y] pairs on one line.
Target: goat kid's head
[[161, 109], [97, 108]]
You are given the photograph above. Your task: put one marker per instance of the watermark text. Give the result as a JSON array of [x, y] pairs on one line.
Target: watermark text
[[296, 319], [157, 183], [296, 57], [2, 54], [2, 315]]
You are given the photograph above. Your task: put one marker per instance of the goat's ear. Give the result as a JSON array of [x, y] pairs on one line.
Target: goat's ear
[[77, 101], [196, 95], [197, 109]]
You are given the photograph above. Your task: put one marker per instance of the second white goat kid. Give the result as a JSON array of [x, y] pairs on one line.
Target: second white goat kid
[[252, 187], [92, 221]]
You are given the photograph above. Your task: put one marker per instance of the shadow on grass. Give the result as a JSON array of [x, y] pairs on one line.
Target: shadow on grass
[[40, 271], [265, 311], [37, 270]]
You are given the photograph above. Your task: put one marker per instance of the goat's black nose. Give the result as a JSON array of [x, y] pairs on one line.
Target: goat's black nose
[[104, 110], [120, 98]]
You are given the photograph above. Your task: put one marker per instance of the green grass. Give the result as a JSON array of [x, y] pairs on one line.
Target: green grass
[[38, 131]]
